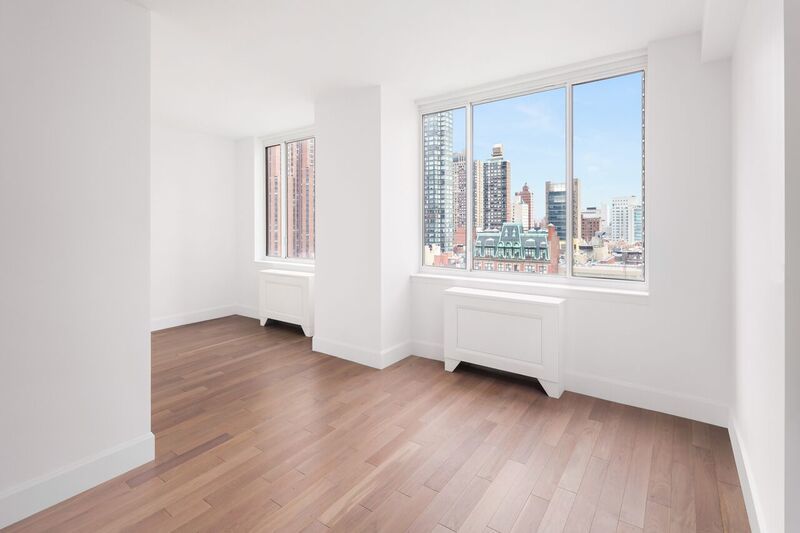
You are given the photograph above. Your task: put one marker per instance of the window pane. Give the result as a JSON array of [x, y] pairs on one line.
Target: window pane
[[273, 200], [608, 159], [444, 137], [300, 183], [520, 217]]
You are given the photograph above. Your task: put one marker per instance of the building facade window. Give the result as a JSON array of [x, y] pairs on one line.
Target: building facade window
[[554, 184], [290, 199]]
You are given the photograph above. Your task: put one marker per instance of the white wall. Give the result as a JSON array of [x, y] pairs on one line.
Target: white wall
[[75, 234], [400, 218], [792, 94], [367, 212], [248, 169], [758, 167], [670, 350], [347, 315], [193, 228]]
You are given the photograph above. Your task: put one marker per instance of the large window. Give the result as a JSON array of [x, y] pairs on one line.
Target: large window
[[519, 156], [608, 149], [555, 186], [289, 199]]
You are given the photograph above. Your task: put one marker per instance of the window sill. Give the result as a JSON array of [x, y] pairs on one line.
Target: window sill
[[286, 264], [560, 288]]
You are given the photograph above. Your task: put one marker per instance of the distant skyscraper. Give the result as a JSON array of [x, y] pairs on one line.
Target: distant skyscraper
[[555, 198], [526, 197], [604, 218], [625, 212], [460, 195], [497, 189], [460, 192], [576, 205], [273, 203], [479, 195], [638, 223], [521, 214], [438, 179], [590, 223]]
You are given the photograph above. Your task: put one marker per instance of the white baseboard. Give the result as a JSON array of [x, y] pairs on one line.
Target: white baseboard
[[350, 352], [393, 354], [182, 319], [627, 393], [750, 501], [246, 311], [372, 358], [428, 350], [664, 401], [37, 494]]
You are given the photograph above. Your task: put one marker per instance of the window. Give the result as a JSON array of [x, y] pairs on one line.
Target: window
[[300, 180], [555, 187], [289, 199], [519, 155], [608, 148]]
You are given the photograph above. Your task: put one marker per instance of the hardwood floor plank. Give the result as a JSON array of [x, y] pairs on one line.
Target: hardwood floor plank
[[576, 466], [486, 507], [659, 489], [548, 482], [177, 460], [611, 496], [531, 515], [724, 463], [451, 493], [707, 501], [656, 518], [512, 505], [585, 505], [555, 517], [463, 506], [734, 515], [634, 501]]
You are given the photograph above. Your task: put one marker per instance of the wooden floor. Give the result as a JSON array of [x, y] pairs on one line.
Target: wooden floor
[[254, 431]]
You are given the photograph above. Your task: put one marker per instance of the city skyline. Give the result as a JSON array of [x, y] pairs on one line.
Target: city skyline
[[514, 212], [607, 129]]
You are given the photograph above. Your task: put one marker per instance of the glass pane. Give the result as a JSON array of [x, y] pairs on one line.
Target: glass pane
[[300, 183], [444, 137], [273, 200], [608, 164], [520, 217]]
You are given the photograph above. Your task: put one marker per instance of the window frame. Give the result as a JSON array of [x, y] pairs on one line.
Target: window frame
[[282, 140], [565, 78]]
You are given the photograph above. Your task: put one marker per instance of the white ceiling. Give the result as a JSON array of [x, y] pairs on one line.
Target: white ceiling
[[250, 67]]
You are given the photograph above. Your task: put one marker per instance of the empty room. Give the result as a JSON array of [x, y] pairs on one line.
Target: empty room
[[373, 265]]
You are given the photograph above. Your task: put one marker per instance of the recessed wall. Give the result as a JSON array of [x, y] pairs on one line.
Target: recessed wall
[[671, 349], [193, 226]]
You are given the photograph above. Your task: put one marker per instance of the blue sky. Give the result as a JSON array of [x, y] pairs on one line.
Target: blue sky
[[532, 129]]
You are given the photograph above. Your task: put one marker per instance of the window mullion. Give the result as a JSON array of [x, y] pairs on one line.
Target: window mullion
[[470, 188], [284, 201], [570, 182]]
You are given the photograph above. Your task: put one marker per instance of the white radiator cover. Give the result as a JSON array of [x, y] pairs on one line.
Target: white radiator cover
[[514, 332], [287, 296]]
